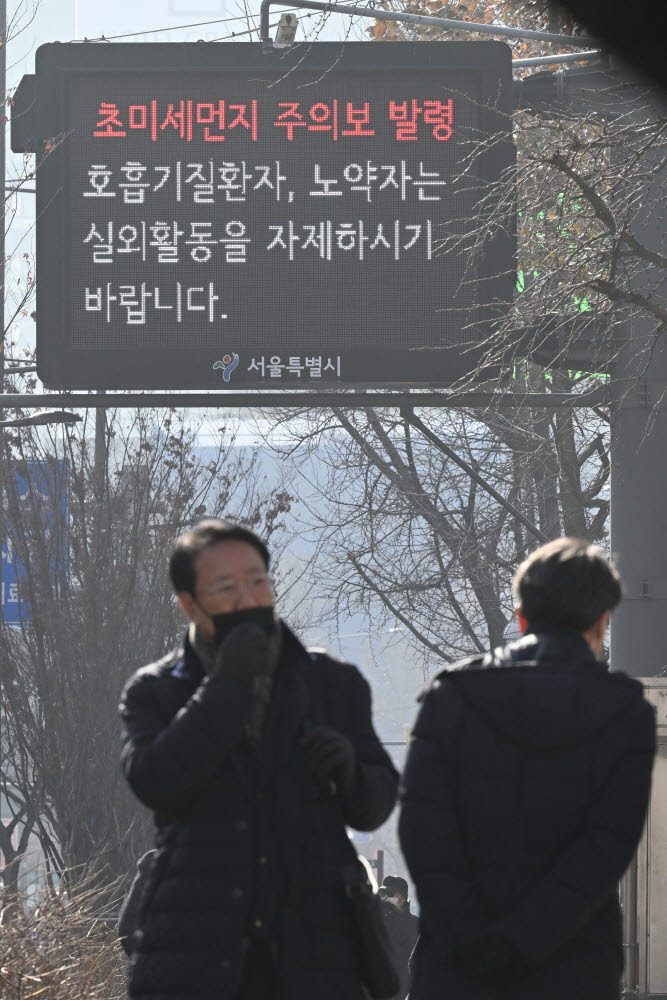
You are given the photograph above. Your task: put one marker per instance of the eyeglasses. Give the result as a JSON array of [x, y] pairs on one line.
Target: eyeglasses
[[231, 591]]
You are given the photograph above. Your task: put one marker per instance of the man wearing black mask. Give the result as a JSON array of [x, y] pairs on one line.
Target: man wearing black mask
[[402, 927], [254, 755]]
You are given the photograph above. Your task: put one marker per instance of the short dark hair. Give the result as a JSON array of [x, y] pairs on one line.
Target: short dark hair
[[567, 582], [210, 531], [395, 884]]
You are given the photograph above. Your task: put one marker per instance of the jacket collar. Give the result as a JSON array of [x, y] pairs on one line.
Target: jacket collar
[[557, 648], [189, 666]]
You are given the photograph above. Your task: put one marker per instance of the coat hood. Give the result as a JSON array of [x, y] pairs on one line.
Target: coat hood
[[546, 690]]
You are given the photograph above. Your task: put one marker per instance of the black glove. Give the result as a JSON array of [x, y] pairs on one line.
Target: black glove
[[244, 653], [332, 760], [491, 960]]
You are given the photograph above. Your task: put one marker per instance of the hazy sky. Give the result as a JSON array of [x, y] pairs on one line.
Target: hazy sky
[[65, 20]]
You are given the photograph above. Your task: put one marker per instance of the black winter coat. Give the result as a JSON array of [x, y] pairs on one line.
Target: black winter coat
[[403, 931], [128, 918], [526, 789], [247, 846]]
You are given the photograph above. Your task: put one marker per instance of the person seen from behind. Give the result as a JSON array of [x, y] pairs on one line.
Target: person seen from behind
[[402, 927], [254, 755], [525, 794]]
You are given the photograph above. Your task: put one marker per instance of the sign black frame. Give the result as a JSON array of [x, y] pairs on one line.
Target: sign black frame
[[61, 366]]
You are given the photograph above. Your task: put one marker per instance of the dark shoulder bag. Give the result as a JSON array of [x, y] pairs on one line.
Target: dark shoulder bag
[[378, 972]]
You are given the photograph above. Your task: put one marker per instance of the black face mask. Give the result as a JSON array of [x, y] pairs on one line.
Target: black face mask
[[224, 623]]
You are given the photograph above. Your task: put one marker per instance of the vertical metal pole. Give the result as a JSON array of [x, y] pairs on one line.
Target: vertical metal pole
[[554, 16], [638, 489], [100, 451], [380, 867], [639, 433], [630, 928], [3, 216]]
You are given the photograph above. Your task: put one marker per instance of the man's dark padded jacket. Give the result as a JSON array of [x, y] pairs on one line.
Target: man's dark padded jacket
[[247, 846], [526, 789]]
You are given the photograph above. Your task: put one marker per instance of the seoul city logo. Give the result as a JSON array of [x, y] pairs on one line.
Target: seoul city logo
[[228, 364]]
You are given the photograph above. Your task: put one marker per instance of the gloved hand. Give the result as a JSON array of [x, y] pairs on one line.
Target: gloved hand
[[332, 760], [244, 653], [490, 959]]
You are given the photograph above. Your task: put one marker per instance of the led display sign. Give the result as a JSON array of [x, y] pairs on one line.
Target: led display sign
[[210, 216]]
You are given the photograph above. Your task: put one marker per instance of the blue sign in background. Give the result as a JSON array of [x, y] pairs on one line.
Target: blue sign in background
[[47, 484]]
